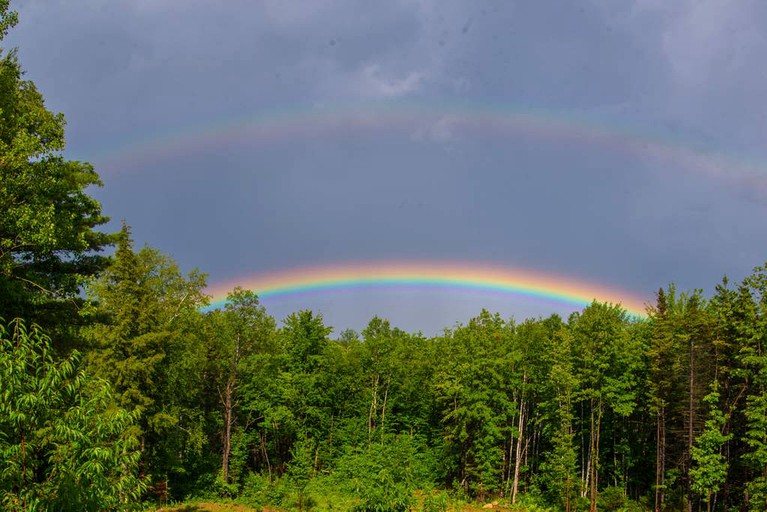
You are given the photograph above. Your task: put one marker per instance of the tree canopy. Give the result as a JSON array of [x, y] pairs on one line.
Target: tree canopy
[[48, 229]]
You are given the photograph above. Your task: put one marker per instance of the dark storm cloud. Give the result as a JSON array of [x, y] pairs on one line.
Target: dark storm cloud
[[686, 72]]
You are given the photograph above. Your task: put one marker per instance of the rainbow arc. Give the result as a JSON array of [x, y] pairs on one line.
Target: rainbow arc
[[418, 119], [448, 277]]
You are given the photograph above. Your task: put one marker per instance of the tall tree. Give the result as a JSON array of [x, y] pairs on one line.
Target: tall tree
[[660, 383], [235, 333], [48, 236], [142, 314], [753, 357], [607, 372], [305, 337], [560, 465], [709, 464], [473, 389]]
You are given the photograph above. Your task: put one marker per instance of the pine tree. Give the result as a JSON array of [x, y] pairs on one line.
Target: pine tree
[[142, 313]]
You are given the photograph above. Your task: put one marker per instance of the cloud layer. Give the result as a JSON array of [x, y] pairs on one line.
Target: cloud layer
[[689, 73]]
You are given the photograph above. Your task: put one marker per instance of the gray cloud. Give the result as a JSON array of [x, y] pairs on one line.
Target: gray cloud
[[686, 74]]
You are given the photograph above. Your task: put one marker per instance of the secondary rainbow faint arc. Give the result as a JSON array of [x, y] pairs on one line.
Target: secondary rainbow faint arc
[[454, 277], [291, 124]]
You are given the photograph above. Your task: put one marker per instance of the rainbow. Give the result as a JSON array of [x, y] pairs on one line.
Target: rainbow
[[450, 277], [435, 122]]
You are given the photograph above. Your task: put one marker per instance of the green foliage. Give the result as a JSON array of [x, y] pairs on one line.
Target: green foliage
[[474, 391], [48, 236], [558, 469], [143, 317], [434, 501], [710, 465], [8, 19], [615, 499], [305, 337], [382, 475], [62, 446], [301, 470], [259, 490]]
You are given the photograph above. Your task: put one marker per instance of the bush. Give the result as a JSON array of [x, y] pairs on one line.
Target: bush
[[434, 502], [258, 491], [63, 445], [382, 475]]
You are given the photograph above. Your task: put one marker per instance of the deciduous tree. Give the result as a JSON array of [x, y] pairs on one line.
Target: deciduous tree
[[48, 227], [63, 444]]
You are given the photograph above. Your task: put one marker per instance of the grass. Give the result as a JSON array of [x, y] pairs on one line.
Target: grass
[[211, 507], [322, 500]]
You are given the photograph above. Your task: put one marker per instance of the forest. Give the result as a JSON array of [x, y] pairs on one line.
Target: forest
[[121, 389]]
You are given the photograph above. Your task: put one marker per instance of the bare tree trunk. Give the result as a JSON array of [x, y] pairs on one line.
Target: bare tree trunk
[[508, 456], [373, 406], [691, 431], [594, 456], [585, 460], [383, 410], [660, 458], [518, 459], [266, 454], [520, 434], [568, 478], [227, 434]]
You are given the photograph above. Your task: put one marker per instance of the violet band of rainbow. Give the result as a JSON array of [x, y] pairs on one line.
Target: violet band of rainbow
[[337, 121], [451, 277]]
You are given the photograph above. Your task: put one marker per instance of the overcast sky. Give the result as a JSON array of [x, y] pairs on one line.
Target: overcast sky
[[177, 104]]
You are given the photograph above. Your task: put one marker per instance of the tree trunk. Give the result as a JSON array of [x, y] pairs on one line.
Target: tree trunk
[[585, 459], [373, 406], [518, 458], [383, 411], [660, 457], [594, 456], [227, 434], [266, 454], [508, 456], [568, 478], [691, 430]]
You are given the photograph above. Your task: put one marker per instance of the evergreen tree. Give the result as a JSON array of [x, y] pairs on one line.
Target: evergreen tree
[[753, 358], [143, 316]]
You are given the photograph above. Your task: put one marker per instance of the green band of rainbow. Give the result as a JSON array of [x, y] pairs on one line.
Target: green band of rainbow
[[337, 121], [451, 277]]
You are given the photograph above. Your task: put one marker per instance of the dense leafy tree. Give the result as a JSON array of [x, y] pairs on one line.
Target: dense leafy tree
[[559, 468], [48, 236], [143, 315], [607, 370], [475, 395], [63, 445], [242, 329], [709, 465]]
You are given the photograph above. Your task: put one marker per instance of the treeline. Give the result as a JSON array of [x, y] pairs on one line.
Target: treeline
[[597, 411], [118, 387], [670, 412]]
